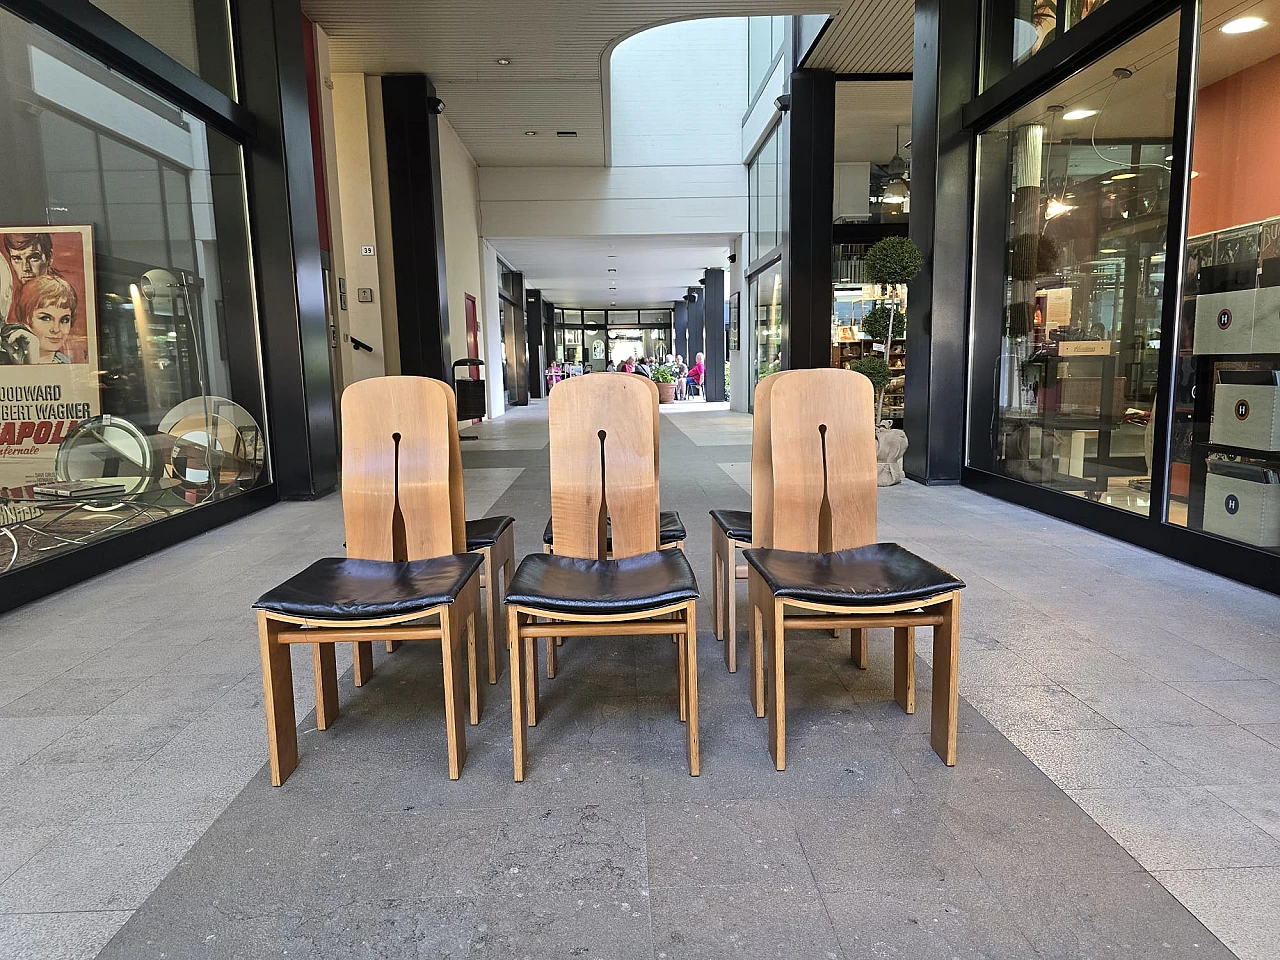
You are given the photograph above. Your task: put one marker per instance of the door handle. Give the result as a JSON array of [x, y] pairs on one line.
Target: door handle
[[360, 345]]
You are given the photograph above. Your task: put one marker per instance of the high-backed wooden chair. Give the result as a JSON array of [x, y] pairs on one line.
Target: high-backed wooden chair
[[817, 564], [407, 562], [604, 480]]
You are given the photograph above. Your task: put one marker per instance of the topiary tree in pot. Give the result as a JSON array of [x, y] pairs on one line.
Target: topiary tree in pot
[[889, 262]]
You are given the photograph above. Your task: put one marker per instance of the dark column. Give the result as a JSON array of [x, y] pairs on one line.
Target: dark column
[[696, 340], [806, 278], [533, 330], [941, 204], [713, 323], [283, 200], [680, 318], [417, 224]]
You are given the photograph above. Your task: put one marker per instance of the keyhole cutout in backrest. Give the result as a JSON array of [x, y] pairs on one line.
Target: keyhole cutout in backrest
[[401, 470], [602, 519], [824, 509], [821, 487], [399, 538]]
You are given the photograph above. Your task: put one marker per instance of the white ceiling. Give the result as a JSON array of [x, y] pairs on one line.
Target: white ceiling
[[652, 271], [557, 50], [866, 115]]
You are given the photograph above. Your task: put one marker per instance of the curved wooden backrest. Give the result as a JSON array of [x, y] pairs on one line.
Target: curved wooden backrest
[[604, 465], [823, 448], [762, 466], [402, 495]]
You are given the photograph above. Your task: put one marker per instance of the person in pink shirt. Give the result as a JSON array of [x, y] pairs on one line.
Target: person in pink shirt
[[696, 373]]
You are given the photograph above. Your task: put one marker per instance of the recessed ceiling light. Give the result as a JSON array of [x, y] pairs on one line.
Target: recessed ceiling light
[[1243, 25], [1194, 174], [1124, 176], [1109, 250], [1079, 114], [613, 303], [1105, 182], [503, 62], [1169, 158], [531, 133]]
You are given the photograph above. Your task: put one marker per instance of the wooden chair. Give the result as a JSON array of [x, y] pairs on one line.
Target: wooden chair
[[494, 539], [604, 467], [407, 562], [816, 564], [730, 532]]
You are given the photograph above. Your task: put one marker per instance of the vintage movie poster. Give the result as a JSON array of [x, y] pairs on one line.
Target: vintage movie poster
[[48, 348]]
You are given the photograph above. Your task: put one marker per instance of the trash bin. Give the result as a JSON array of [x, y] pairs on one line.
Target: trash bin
[[470, 391]]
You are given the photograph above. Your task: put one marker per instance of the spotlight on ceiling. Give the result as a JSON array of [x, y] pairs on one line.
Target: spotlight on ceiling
[[1243, 25], [503, 62], [1079, 114], [531, 133]]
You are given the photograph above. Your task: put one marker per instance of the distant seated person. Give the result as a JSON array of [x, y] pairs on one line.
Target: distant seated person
[[611, 367], [643, 368], [696, 373]]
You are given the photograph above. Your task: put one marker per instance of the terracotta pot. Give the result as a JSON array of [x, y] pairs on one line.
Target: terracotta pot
[[666, 392]]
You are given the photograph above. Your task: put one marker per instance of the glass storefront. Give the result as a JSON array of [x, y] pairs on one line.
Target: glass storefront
[[586, 341], [1065, 372], [130, 374], [766, 196], [765, 293], [196, 33], [1019, 29], [1225, 443], [765, 36]]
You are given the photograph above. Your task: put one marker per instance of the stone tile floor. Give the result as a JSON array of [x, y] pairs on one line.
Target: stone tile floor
[[1118, 787]]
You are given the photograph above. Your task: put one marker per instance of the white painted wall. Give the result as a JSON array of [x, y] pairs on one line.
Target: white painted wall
[[492, 347], [460, 185], [613, 201], [356, 220], [677, 94]]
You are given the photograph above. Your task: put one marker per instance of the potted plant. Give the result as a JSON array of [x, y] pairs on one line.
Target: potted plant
[[664, 375], [890, 262]]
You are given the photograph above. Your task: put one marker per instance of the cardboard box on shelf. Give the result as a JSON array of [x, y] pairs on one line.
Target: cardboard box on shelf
[[1243, 510], [1246, 415]]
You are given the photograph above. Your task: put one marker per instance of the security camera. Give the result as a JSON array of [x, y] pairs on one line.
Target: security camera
[[435, 105], [733, 258], [783, 103]]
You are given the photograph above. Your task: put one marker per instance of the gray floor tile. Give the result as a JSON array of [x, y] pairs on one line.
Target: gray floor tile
[[97, 867], [176, 696], [1095, 758], [697, 843], [1241, 701], [1214, 755], [1144, 703], [1242, 907], [24, 737], [42, 794], [1179, 828], [57, 936], [1258, 803], [20, 844], [163, 791], [106, 738], [1269, 732], [761, 920], [67, 697], [1036, 707]]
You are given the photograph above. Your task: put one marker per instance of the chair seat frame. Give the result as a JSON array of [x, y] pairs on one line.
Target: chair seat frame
[[725, 574], [771, 620], [455, 630], [526, 624]]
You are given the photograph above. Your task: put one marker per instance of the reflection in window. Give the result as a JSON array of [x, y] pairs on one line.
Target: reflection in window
[[1225, 453], [1065, 394], [1019, 29], [196, 33], [766, 196], [766, 295]]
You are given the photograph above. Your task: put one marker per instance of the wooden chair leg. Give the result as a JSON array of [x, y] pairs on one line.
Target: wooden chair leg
[[730, 564], [858, 647], [473, 667], [492, 604], [553, 657], [717, 622], [362, 662], [277, 695], [904, 667], [946, 682], [777, 690], [761, 607], [531, 679], [324, 664], [682, 674], [451, 644], [393, 646], [515, 664], [690, 647]]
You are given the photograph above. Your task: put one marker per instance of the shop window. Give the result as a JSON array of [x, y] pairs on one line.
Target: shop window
[[764, 40], [1224, 476], [766, 295], [766, 196], [129, 368], [1073, 195], [196, 33]]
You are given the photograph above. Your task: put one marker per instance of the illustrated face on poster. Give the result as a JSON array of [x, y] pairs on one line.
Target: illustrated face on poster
[[48, 347]]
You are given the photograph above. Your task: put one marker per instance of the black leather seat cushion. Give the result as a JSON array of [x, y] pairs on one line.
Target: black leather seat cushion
[[880, 573], [345, 589], [670, 530], [485, 533], [632, 585], [736, 524]]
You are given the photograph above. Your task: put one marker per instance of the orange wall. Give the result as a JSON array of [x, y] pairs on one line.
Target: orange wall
[[1237, 150]]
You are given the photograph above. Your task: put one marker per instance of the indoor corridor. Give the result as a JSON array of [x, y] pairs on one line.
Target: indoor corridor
[[1117, 790]]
